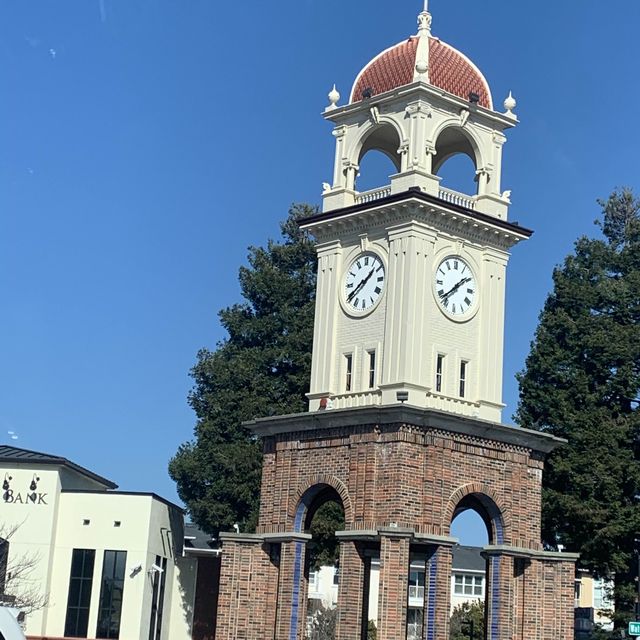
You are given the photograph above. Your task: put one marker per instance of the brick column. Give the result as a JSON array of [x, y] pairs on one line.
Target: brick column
[[351, 591], [248, 581], [437, 555], [499, 600], [291, 607], [558, 588], [529, 594], [394, 579], [443, 560]]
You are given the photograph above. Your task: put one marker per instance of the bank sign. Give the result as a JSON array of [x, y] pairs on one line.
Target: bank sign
[[12, 493]]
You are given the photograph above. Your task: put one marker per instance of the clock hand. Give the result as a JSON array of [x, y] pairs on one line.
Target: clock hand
[[455, 287], [360, 286]]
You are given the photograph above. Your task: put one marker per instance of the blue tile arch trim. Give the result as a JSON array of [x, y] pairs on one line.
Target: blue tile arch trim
[[295, 596], [495, 598], [297, 573], [431, 571]]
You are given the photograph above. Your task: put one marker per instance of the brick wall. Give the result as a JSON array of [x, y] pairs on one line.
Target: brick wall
[[400, 474], [409, 480]]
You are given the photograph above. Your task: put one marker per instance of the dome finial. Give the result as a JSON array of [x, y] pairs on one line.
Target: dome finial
[[424, 20], [510, 104], [334, 97]]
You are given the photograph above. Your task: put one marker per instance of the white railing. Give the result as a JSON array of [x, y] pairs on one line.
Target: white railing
[[355, 399], [454, 197], [416, 592], [374, 194]]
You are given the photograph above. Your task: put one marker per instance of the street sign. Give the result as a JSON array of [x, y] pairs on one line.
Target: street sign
[[634, 628]]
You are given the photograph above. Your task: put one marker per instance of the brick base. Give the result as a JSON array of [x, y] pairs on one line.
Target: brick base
[[402, 476]]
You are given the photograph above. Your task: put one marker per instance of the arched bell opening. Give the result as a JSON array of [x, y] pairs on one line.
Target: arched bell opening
[[378, 158], [476, 523], [321, 514], [456, 161]]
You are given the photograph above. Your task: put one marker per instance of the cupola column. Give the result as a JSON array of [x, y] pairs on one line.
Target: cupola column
[[416, 170], [339, 179]]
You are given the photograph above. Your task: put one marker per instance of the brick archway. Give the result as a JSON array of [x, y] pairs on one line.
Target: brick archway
[[306, 494], [489, 501]]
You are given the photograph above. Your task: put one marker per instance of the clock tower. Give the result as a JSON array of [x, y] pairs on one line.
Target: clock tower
[[404, 427], [411, 277]]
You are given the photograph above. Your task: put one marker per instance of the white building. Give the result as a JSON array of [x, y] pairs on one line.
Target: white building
[[112, 564]]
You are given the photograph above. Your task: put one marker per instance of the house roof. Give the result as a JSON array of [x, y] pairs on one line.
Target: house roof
[[15, 455], [197, 541], [468, 559]]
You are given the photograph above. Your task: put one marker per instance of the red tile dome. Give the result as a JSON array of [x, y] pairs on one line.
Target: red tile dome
[[449, 70]]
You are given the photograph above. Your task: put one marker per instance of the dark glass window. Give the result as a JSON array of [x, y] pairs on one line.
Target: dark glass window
[[372, 369], [463, 378], [79, 598], [439, 368], [111, 591], [4, 559], [349, 362], [157, 601]]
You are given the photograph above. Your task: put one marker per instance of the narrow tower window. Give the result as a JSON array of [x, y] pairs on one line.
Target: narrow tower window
[[349, 371], [439, 368], [463, 378], [372, 369]]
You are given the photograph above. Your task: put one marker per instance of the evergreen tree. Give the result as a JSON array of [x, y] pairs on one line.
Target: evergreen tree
[[262, 368], [581, 383]]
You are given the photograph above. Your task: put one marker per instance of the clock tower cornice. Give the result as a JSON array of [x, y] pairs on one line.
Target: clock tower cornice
[[424, 208]]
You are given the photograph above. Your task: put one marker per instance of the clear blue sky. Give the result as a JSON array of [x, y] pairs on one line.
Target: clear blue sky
[[144, 144]]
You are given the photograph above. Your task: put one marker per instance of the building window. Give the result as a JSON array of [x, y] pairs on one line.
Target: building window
[[348, 371], [467, 585], [463, 378], [372, 369], [111, 592], [336, 576], [601, 598], [314, 581], [159, 577], [79, 598], [416, 584], [439, 369]]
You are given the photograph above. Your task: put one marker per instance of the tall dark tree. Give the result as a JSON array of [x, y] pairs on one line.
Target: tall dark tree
[[581, 382], [262, 368]]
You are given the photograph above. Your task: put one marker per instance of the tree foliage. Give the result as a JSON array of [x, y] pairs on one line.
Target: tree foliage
[[467, 621], [262, 368], [581, 382], [324, 548]]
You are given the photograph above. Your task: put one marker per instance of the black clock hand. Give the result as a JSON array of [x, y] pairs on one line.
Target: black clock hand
[[360, 286], [454, 288]]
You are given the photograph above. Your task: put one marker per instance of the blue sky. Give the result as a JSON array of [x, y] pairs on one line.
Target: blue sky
[[144, 144]]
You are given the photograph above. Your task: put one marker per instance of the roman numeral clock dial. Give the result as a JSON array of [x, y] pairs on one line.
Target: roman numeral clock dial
[[364, 283], [455, 287]]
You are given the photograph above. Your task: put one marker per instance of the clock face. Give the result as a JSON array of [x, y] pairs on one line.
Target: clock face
[[455, 287], [364, 282]]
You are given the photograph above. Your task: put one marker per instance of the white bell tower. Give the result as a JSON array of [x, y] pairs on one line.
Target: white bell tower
[[411, 275]]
